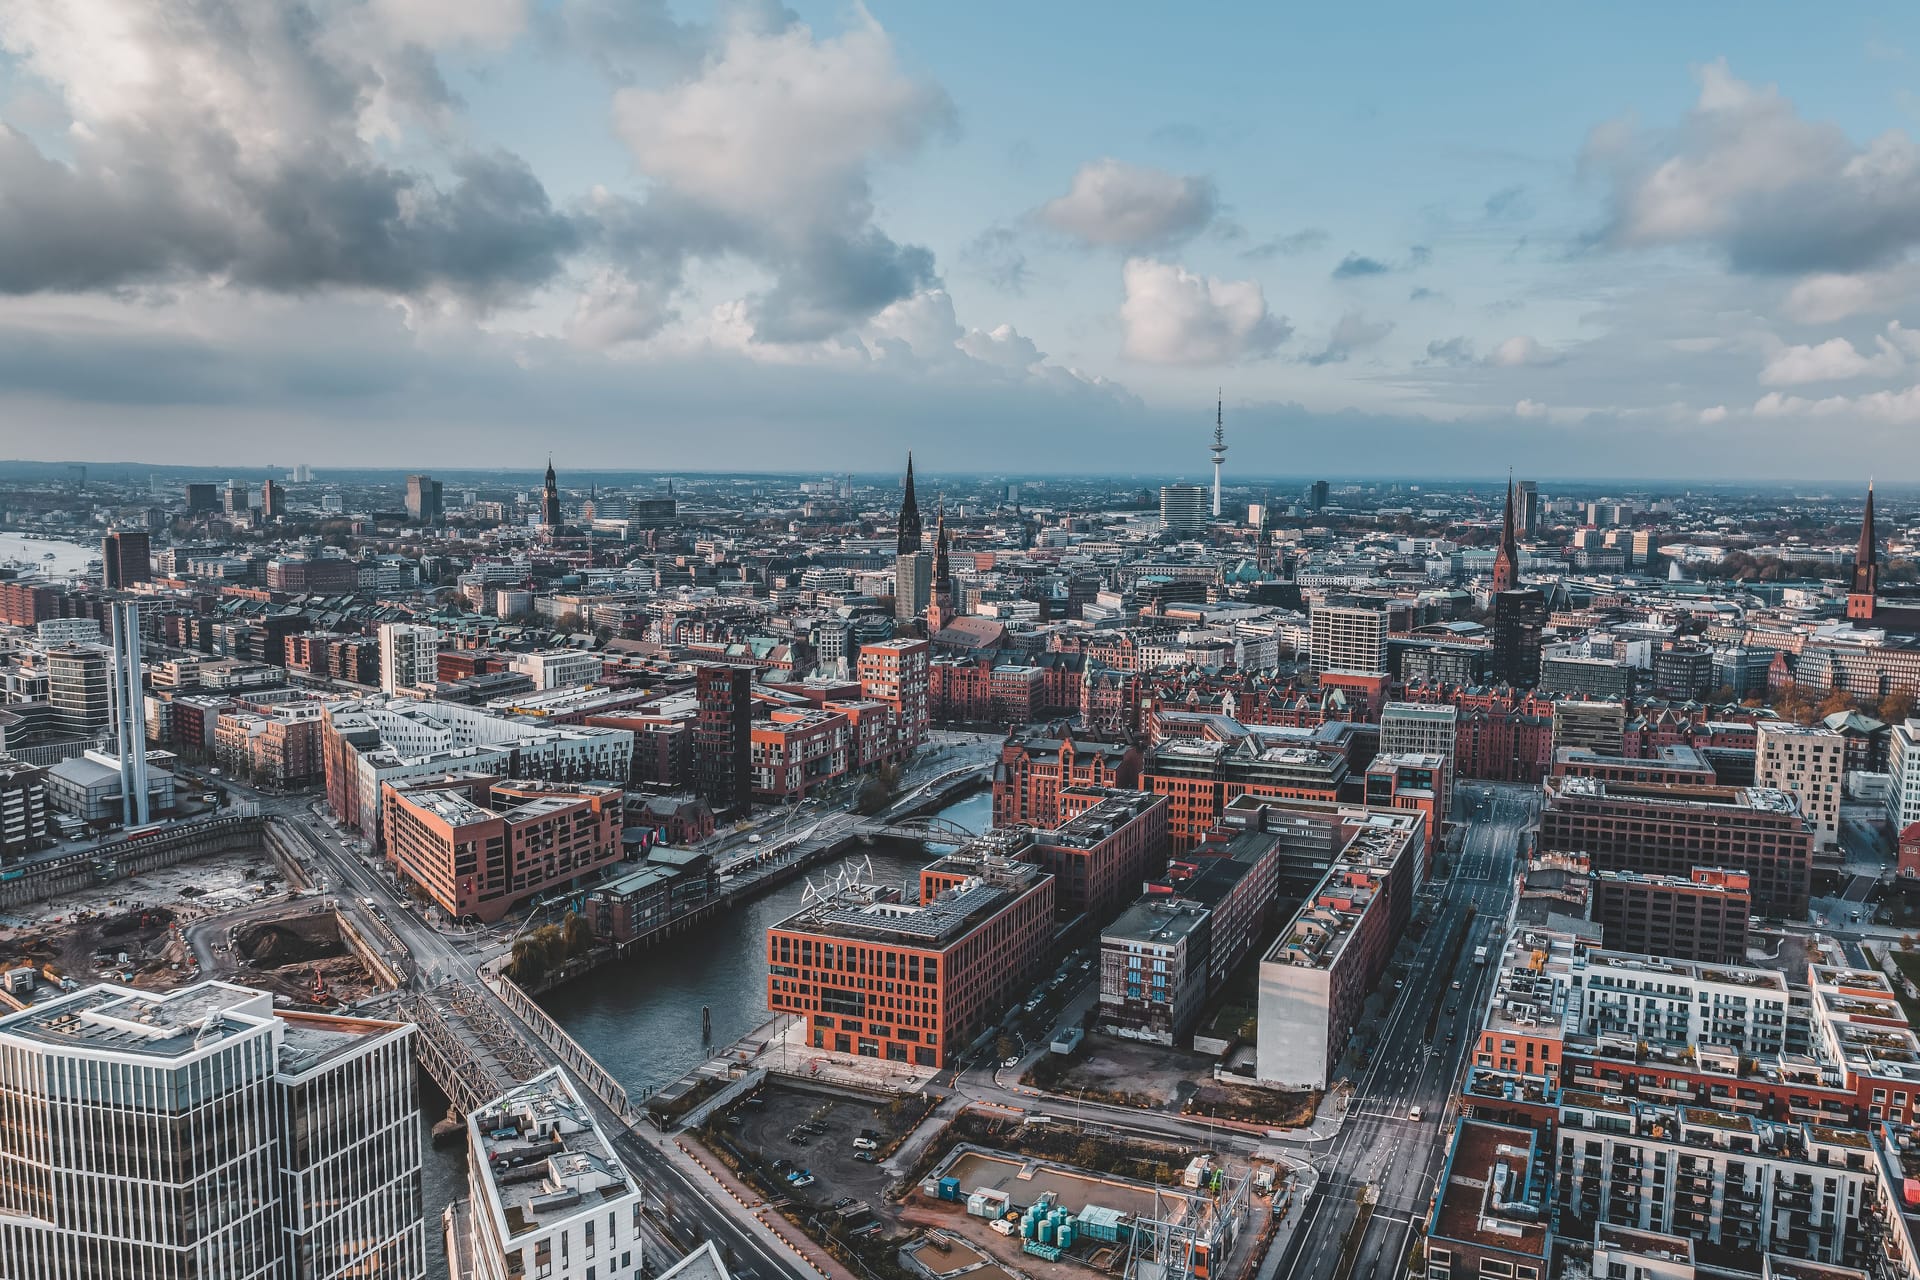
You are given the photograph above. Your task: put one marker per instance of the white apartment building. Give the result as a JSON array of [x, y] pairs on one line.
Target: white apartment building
[[549, 1198], [1903, 766], [409, 656], [556, 668], [1348, 638], [1810, 763], [197, 1134]]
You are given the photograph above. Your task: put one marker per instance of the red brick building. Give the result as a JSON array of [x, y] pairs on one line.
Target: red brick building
[[479, 845], [895, 672], [1701, 916], [1035, 769], [875, 977]]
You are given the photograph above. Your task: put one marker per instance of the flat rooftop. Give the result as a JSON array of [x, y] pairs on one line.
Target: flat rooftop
[[142, 1024], [875, 913], [1487, 1195], [1151, 923], [544, 1157]]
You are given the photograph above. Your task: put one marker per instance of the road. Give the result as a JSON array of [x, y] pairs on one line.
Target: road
[[1380, 1149]]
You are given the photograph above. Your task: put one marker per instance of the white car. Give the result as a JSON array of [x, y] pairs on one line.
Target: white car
[[1014, 1061], [1414, 1114]]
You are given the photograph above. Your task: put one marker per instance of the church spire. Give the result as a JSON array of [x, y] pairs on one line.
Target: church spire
[[1866, 567], [1506, 561], [909, 540], [942, 570]]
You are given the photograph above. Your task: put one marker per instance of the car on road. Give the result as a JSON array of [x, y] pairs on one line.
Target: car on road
[[1456, 984], [1414, 1114], [1014, 1061], [865, 1157], [865, 1144], [843, 1202], [804, 1180]]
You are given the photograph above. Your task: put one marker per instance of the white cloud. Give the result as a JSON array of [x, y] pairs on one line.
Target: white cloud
[[1531, 409], [1001, 345], [1898, 408], [1834, 360], [1119, 204], [1829, 296], [1171, 316], [1352, 332], [1521, 351], [1713, 414]]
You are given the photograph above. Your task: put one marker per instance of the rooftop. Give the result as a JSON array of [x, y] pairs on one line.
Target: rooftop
[[544, 1157], [1487, 1194], [987, 885]]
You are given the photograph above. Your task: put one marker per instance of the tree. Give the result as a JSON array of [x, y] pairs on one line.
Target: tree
[[1833, 704], [1895, 707]]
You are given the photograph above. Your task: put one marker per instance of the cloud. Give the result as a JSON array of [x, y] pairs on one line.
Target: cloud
[[1450, 351], [1171, 316], [242, 142], [1354, 266], [1509, 204], [1746, 175], [1112, 203], [1897, 408], [1522, 351], [1831, 296], [1352, 332], [1287, 246], [1834, 360], [1530, 409], [1420, 293], [765, 153], [1715, 414], [995, 255]]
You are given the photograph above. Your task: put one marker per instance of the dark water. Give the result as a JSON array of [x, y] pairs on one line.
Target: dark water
[[443, 1174], [641, 1018]]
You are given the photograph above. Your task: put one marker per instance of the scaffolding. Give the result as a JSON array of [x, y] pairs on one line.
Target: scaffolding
[[1188, 1237]]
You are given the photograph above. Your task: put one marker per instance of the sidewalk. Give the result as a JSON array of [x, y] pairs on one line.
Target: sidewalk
[[765, 1223]]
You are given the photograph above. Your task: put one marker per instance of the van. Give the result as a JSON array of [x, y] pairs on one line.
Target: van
[[1414, 1114]]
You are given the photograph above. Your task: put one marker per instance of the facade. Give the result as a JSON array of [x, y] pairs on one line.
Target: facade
[[723, 736], [793, 751], [1903, 770], [247, 1144], [481, 846], [1036, 770], [549, 1197], [1519, 621], [423, 499], [274, 746], [126, 557], [1669, 830], [1808, 762], [1154, 965], [1425, 728], [80, 686], [1315, 978], [895, 672], [1183, 508], [23, 808], [1703, 916], [912, 584], [1596, 727], [873, 976], [89, 787], [1201, 777], [407, 656], [1350, 639], [1490, 1211]]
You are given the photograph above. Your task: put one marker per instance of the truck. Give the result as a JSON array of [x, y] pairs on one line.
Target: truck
[[1480, 955]]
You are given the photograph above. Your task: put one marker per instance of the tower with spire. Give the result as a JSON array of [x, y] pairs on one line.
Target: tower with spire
[[1864, 590], [940, 608], [550, 497], [1219, 447], [909, 516], [1506, 561]]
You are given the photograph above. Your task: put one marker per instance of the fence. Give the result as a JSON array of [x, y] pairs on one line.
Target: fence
[[590, 1072]]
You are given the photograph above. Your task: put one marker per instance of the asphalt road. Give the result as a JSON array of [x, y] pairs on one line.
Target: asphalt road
[[1380, 1150]]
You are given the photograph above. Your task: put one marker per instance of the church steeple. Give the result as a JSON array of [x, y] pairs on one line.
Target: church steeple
[[1866, 567], [550, 497], [942, 570], [909, 541], [1506, 561]]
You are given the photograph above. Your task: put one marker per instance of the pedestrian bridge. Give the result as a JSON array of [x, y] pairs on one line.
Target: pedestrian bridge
[[928, 830]]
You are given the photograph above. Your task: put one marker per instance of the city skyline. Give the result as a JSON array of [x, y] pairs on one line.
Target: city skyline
[[822, 235]]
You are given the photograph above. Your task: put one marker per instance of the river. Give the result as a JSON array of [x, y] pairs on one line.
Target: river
[[68, 557]]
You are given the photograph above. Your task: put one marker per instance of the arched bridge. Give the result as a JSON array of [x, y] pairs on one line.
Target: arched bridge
[[929, 829]]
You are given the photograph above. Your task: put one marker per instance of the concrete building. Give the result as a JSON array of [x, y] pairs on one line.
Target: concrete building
[[1425, 728], [1490, 1207], [873, 976], [424, 499], [1315, 978], [1183, 508], [1903, 769], [407, 656], [89, 787], [1701, 916], [1154, 970], [557, 668], [1348, 638], [1519, 624], [80, 686], [1808, 762], [244, 1143], [23, 808], [126, 557], [912, 584], [548, 1196], [895, 672], [1598, 727]]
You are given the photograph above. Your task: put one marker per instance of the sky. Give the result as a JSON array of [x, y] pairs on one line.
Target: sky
[[1629, 240]]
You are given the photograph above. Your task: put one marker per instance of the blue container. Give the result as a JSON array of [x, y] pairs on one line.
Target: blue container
[[1045, 1233], [949, 1188], [1064, 1236]]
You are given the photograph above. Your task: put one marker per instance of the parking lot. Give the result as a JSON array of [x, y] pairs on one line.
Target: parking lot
[[767, 1129]]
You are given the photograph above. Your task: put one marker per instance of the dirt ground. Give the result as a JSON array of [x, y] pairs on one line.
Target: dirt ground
[[1124, 1072], [300, 958]]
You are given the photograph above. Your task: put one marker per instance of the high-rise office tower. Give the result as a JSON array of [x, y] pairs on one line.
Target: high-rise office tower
[[1317, 495], [1519, 619], [1183, 508], [1348, 638], [126, 557], [1529, 517], [202, 497], [550, 498], [909, 523], [80, 686], [236, 503], [273, 500], [409, 655], [1219, 450], [423, 500], [199, 1135], [723, 735], [912, 584]]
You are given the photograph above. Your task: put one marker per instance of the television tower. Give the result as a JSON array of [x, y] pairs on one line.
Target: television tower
[[1219, 452]]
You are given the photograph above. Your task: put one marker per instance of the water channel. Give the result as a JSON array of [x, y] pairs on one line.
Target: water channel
[[641, 1018]]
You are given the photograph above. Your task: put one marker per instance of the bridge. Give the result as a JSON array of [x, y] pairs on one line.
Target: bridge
[[930, 829]]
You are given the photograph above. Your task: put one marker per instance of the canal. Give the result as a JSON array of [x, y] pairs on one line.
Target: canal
[[641, 1018]]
